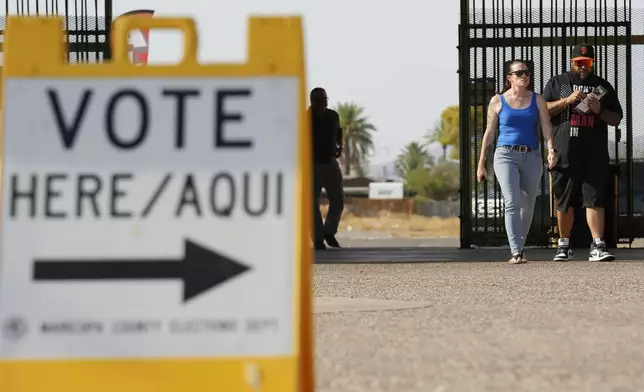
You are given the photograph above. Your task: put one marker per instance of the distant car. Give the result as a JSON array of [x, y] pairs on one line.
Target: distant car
[[494, 207]]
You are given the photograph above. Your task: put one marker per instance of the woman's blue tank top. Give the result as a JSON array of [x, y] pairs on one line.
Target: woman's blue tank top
[[518, 127]]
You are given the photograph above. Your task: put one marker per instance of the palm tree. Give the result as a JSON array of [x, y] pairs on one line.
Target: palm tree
[[358, 138], [441, 135], [413, 156], [450, 124]]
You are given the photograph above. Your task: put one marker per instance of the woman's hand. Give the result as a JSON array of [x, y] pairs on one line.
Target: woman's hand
[[552, 159], [481, 173]]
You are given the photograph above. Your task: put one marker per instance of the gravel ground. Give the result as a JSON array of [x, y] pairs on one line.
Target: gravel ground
[[543, 326]]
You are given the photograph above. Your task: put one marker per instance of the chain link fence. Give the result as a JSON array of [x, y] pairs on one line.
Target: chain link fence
[[85, 22]]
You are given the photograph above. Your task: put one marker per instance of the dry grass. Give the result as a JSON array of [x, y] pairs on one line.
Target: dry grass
[[399, 225]]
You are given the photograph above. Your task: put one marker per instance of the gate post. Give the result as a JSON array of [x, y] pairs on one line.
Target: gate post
[[463, 99], [629, 137]]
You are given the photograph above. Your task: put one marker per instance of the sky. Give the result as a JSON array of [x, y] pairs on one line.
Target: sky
[[396, 59], [399, 63]]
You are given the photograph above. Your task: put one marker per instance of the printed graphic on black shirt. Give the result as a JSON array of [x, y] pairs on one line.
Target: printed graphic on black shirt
[[578, 134], [579, 119]]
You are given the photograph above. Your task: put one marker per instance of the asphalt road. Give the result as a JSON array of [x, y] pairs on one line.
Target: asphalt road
[[468, 326]]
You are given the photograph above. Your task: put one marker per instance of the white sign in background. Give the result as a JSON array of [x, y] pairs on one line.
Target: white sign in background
[[251, 314]]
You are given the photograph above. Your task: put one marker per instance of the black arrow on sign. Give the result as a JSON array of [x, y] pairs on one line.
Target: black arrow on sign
[[200, 269]]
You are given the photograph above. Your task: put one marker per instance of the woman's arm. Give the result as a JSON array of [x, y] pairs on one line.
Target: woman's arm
[[492, 126], [544, 121]]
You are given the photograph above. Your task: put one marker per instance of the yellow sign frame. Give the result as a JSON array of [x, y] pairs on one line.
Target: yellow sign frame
[[34, 48]]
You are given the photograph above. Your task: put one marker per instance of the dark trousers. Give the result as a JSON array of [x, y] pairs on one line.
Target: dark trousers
[[329, 177]]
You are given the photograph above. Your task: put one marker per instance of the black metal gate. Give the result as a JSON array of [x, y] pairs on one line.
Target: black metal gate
[[494, 32], [87, 23]]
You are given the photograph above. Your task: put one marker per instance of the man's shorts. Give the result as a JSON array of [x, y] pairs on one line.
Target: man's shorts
[[580, 185]]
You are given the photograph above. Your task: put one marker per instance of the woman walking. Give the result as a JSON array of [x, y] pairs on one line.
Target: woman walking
[[518, 163]]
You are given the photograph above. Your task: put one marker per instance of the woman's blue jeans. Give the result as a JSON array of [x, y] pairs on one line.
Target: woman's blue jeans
[[518, 174]]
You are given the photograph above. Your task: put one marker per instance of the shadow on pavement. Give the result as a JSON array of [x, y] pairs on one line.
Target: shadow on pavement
[[448, 254]]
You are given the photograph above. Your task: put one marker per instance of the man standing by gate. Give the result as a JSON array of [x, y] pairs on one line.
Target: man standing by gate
[[581, 106]]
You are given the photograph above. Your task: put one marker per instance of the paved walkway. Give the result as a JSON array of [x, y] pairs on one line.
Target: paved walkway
[[471, 326]]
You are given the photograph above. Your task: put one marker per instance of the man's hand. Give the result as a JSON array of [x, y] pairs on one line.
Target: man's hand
[[338, 152], [594, 105], [576, 97]]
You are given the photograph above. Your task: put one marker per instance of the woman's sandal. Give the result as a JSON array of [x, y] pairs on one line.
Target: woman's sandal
[[518, 259]]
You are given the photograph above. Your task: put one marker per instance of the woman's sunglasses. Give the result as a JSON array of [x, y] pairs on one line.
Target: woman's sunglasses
[[520, 73]]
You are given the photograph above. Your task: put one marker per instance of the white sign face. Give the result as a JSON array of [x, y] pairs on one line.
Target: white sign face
[[148, 218], [386, 190]]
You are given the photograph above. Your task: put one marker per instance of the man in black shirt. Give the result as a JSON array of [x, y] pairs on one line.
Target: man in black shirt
[[581, 138], [327, 146]]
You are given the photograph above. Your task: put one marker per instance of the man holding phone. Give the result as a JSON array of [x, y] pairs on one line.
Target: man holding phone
[[327, 147], [580, 123]]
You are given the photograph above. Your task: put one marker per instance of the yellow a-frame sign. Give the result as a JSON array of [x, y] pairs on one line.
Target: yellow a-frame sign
[[155, 219]]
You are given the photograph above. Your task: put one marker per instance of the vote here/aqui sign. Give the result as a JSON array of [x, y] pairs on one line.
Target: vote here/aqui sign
[[154, 219]]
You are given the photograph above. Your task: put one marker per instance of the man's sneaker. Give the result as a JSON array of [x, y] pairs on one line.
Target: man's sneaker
[[598, 252], [564, 253]]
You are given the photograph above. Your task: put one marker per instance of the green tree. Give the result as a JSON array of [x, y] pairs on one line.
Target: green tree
[[413, 156], [437, 182], [446, 131], [358, 137], [443, 181], [418, 182], [450, 120]]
